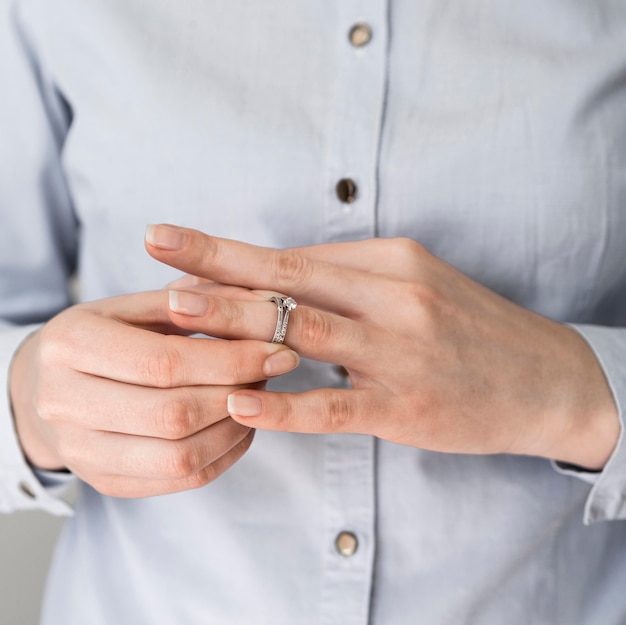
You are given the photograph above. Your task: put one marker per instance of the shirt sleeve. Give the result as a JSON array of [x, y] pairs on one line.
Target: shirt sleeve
[[607, 499], [38, 231]]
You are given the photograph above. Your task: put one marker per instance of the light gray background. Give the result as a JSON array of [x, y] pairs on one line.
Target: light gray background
[[26, 542]]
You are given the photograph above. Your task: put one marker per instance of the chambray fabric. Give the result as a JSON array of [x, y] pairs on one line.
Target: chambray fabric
[[492, 132]]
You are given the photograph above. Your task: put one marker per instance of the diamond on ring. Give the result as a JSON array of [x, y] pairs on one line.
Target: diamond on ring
[[284, 305]]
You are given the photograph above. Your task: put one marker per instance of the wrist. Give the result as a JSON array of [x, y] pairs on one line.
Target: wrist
[[587, 425]]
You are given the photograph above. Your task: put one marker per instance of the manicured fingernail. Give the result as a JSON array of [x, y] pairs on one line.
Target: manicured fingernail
[[280, 362], [188, 303], [244, 405], [165, 237]]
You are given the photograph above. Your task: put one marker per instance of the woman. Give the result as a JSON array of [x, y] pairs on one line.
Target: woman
[[490, 137]]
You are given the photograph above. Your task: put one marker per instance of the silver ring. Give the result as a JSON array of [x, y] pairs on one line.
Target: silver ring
[[284, 305]]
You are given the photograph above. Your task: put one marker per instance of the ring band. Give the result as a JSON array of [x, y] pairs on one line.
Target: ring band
[[284, 305]]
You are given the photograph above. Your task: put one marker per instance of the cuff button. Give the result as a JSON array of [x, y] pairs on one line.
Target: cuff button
[[27, 490]]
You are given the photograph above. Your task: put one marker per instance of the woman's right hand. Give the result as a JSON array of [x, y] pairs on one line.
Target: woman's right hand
[[112, 391]]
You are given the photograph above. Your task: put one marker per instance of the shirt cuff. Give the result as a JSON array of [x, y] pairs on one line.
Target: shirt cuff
[[607, 499], [20, 488]]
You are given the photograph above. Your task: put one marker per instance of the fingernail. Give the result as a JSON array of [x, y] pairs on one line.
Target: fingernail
[[165, 237], [244, 405], [188, 303], [280, 362]]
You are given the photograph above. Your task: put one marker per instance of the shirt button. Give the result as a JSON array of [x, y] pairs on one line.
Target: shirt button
[[27, 490], [360, 35], [346, 544], [346, 190]]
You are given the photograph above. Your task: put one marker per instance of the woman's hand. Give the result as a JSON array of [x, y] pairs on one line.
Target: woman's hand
[[114, 392], [435, 360]]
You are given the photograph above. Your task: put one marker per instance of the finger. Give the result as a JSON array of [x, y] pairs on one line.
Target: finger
[[141, 310], [343, 290], [133, 487], [208, 286], [154, 458], [320, 411], [108, 348], [312, 333], [226, 290], [401, 258], [110, 406], [186, 282]]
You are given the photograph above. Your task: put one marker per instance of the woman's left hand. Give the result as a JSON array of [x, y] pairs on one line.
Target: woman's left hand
[[435, 360]]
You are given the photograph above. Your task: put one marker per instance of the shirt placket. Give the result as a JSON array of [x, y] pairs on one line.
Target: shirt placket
[[351, 213], [357, 120], [350, 539]]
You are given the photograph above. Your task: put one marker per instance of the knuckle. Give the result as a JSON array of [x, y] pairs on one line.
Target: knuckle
[[291, 268], [402, 255], [337, 411], [422, 295], [316, 328], [201, 478], [175, 419], [209, 249], [181, 462], [423, 308], [50, 403], [65, 337], [405, 249], [43, 406], [160, 368], [54, 344]]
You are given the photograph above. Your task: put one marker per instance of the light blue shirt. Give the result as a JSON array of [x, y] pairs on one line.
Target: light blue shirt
[[492, 132]]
